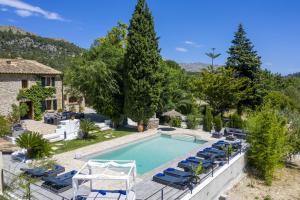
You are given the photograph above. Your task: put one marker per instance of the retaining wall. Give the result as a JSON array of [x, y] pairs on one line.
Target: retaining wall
[[213, 187]]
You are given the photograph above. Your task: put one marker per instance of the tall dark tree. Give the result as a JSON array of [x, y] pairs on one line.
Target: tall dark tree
[[141, 70], [242, 56], [243, 59]]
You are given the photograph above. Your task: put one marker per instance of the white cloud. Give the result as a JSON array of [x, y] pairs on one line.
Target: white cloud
[[24, 10], [194, 44], [23, 13], [180, 49], [189, 42]]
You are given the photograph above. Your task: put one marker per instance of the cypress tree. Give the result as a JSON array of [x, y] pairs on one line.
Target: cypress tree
[[208, 119], [242, 56], [141, 70], [218, 124]]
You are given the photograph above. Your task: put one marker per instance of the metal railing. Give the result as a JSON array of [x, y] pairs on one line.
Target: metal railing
[[25, 188], [160, 194]]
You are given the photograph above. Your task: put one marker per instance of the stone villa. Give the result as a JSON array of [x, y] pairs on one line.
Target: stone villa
[[16, 74]]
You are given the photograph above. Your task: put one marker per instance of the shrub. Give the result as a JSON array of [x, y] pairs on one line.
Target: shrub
[[218, 124], [175, 122], [294, 136], [207, 121], [86, 126], [35, 144], [4, 126], [280, 101], [235, 121], [192, 121], [268, 141], [268, 197], [17, 112], [197, 172]]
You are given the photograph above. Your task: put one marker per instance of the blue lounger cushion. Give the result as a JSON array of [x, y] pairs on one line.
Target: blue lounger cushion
[[214, 150], [62, 177], [41, 171], [211, 154], [187, 165], [104, 192], [58, 186], [223, 144], [222, 141], [195, 159], [178, 173], [172, 181], [60, 183], [220, 146]]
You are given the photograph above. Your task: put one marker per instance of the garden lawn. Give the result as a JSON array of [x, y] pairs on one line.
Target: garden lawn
[[94, 137]]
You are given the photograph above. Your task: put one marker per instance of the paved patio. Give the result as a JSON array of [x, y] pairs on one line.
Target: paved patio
[[39, 126]]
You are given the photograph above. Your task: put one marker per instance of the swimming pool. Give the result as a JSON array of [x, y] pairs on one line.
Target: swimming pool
[[153, 152]]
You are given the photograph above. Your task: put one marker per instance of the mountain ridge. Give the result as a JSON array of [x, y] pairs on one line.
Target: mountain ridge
[[195, 66], [54, 52]]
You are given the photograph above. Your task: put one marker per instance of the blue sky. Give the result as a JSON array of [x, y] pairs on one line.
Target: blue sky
[[187, 28]]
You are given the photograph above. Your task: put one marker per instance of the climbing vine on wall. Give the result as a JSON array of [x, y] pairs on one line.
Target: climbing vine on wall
[[36, 94]]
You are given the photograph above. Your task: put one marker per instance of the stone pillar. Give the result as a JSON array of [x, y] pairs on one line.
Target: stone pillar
[[1, 174]]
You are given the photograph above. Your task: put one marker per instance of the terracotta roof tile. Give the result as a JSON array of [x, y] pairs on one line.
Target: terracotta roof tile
[[21, 66]]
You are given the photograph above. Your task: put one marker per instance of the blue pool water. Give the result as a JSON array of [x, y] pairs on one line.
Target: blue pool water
[[153, 152]]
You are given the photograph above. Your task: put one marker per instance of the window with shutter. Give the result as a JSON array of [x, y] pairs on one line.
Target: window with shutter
[[53, 81], [24, 83], [48, 81], [43, 80], [54, 104], [43, 106], [48, 104]]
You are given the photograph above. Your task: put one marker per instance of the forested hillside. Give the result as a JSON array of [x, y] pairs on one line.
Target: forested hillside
[[295, 74], [55, 53]]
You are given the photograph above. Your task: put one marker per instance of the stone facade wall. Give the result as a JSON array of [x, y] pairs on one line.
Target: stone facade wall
[[59, 93], [153, 123], [10, 85], [78, 106]]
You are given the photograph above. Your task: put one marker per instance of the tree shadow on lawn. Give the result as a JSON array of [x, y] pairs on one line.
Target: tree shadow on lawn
[[126, 129]]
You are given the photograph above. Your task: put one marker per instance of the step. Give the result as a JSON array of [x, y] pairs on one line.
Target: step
[[55, 140], [51, 136], [105, 128]]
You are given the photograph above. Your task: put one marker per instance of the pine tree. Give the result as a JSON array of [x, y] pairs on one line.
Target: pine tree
[[242, 56], [141, 73], [243, 59]]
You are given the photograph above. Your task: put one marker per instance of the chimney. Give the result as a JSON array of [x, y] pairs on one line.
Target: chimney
[[8, 62]]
